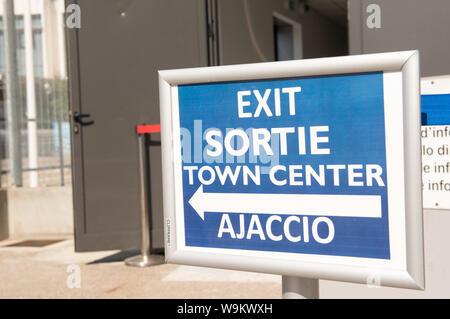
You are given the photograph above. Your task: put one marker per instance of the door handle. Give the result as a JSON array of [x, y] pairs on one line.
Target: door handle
[[78, 118]]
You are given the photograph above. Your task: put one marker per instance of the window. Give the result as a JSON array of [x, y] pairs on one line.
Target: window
[[20, 46]]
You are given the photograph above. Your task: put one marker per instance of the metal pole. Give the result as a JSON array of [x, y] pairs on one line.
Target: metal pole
[[12, 100], [31, 96], [145, 258], [60, 118], [299, 288], [61, 151]]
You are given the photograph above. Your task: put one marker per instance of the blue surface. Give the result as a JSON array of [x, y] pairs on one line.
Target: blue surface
[[353, 108], [436, 109]]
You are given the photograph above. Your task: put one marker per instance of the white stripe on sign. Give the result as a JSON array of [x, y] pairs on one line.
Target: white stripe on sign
[[287, 204]]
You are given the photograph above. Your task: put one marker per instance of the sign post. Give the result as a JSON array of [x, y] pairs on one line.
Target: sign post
[[309, 169], [299, 288]]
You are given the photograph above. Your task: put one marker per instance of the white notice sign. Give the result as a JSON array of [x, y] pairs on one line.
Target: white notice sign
[[436, 166]]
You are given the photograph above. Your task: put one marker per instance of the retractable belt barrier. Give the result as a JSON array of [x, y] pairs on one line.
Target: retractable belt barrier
[[145, 259]]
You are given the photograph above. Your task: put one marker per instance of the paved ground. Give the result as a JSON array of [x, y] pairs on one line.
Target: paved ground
[[42, 273], [47, 272]]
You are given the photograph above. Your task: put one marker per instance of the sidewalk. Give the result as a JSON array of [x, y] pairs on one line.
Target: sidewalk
[[44, 272]]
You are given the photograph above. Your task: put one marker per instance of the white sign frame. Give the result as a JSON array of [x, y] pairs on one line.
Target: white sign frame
[[403, 156]]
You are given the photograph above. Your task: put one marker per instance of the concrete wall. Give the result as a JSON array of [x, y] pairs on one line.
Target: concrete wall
[[405, 25], [321, 37], [246, 31], [29, 211]]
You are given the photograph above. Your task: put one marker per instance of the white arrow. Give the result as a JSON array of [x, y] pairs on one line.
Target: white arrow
[[287, 204]]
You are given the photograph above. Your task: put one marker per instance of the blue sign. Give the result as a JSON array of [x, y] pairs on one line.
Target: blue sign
[[293, 165], [435, 109]]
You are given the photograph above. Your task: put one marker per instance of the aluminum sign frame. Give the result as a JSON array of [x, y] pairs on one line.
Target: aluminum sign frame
[[401, 87]]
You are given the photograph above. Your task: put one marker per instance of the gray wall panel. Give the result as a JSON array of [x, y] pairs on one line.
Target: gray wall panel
[[405, 25]]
